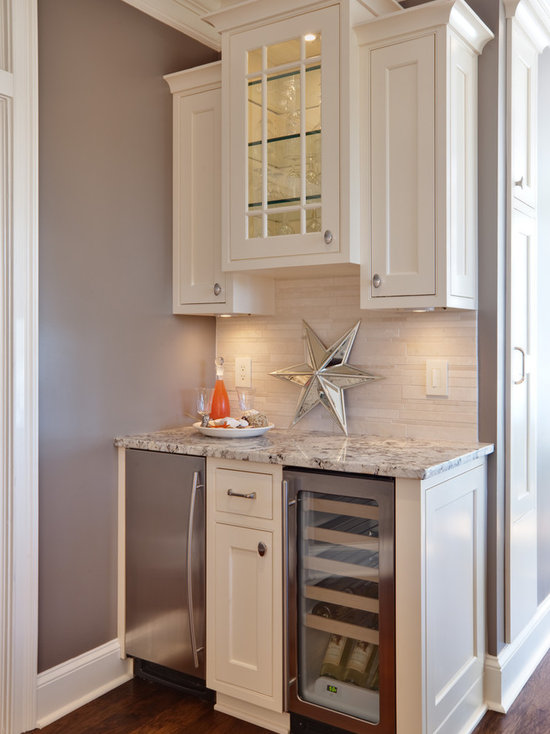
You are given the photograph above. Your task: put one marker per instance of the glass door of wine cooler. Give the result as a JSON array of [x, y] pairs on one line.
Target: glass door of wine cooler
[[340, 600]]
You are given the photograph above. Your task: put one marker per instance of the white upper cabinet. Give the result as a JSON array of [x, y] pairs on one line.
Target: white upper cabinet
[[199, 284], [290, 133], [418, 77], [523, 70], [528, 34]]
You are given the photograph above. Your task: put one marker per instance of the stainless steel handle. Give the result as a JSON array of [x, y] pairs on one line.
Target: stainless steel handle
[[217, 289], [328, 237], [192, 632], [376, 280], [519, 183], [289, 593], [249, 496], [522, 378], [262, 549]]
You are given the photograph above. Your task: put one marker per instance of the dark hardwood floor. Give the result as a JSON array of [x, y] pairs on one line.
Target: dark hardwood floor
[[140, 707]]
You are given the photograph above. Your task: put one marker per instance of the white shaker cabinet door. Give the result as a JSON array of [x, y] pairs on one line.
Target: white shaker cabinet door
[[244, 608], [197, 263], [522, 424], [523, 107], [403, 169]]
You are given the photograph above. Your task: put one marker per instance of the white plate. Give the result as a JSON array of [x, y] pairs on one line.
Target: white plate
[[233, 432]]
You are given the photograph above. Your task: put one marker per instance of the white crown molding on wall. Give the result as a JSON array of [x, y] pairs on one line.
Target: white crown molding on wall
[[184, 16]]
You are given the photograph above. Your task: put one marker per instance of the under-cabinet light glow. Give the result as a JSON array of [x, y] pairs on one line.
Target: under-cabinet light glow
[[310, 37], [225, 316]]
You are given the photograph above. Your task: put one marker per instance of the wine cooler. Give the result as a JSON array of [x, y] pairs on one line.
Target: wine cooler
[[339, 602]]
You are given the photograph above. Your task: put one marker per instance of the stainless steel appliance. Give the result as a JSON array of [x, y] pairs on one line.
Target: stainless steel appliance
[[339, 602], [165, 561]]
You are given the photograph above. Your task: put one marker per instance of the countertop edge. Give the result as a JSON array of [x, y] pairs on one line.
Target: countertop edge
[[195, 445]]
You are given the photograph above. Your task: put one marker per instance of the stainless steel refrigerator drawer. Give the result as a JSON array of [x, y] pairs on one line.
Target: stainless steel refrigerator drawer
[[244, 493], [165, 560]]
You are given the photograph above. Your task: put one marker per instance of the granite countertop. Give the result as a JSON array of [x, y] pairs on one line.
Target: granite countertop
[[392, 457]]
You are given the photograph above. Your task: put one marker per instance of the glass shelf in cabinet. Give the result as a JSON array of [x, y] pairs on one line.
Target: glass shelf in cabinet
[[283, 202], [280, 138]]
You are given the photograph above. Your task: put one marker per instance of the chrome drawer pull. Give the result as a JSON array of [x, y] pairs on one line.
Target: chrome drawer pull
[[250, 496]]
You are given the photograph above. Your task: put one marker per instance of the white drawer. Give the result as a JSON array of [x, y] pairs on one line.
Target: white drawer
[[257, 489]]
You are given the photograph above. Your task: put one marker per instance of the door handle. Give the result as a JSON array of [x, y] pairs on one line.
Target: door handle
[[191, 615], [289, 592], [523, 375], [249, 496]]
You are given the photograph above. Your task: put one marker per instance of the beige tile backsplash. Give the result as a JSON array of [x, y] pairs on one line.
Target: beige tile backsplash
[[394, 345]]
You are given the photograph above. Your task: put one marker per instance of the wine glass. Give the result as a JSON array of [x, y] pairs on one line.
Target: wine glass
[[203, 403], [245, 396]]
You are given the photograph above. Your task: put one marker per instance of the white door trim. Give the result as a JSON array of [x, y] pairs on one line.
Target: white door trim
[[19, 368]]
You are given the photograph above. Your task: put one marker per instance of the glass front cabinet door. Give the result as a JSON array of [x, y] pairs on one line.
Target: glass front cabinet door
[[286, 90], [284, 133]]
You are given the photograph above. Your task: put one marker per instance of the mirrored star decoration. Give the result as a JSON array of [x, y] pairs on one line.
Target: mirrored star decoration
[[325, 375]]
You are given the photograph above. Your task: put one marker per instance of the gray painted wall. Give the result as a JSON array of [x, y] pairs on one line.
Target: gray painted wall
[[491, 299], [543, 372], [112, 357]]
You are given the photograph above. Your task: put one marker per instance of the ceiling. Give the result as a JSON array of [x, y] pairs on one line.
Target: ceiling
[[185, 16]]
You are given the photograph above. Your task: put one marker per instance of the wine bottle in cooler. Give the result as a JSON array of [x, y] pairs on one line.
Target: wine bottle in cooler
[[220, 400], [359, 662], [334, 661]]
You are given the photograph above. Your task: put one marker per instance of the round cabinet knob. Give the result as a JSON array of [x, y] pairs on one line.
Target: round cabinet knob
[[262, 549], [376, 280], [519, 183], [328, 237], [217, 289]]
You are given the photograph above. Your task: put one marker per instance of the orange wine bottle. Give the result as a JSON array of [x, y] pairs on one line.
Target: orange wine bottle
[[220, 400]]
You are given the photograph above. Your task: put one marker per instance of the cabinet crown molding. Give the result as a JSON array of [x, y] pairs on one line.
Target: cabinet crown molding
[[250, 12], [533, 16], [196, 78], [455, 14]]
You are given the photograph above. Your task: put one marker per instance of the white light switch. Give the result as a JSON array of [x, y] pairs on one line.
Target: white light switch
[[437, 380]]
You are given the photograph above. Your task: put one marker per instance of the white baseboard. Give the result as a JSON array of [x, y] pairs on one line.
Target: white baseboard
[[72, 684], [507, 672]]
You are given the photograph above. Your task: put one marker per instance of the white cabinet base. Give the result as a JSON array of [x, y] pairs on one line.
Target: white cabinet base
[[440, 601], [254, 714]]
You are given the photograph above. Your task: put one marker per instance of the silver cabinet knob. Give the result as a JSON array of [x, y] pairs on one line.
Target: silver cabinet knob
[[328, 237], [217, 289], [519, 183], [376, 280], [262, 549]]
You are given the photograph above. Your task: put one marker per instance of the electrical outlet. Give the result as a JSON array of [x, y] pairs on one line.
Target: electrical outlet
[[243, 372], [437, 380]]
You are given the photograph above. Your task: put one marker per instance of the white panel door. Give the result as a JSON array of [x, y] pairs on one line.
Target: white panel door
[[524, 73], [244, 609], [521, 428], [521, 356], [402, 140], [198, 277]]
